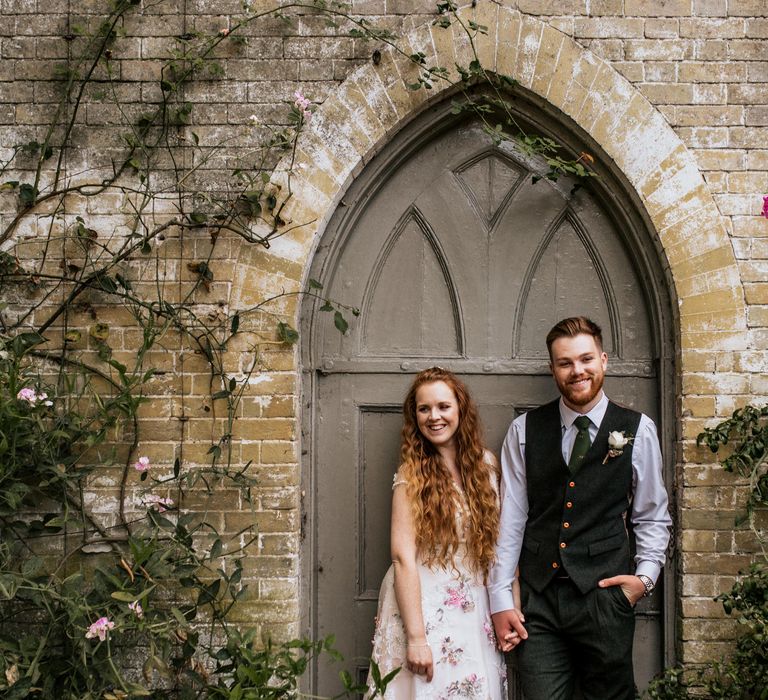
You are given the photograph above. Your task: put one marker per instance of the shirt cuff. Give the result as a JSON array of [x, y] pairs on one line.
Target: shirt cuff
[[501, 600], [649, 569]]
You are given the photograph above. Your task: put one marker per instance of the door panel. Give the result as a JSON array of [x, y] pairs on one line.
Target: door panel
[[456, 258]]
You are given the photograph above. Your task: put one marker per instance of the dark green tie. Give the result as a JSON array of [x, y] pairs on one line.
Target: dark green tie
[[580, 444]]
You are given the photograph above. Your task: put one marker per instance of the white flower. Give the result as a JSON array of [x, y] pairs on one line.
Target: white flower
[[617, 440]]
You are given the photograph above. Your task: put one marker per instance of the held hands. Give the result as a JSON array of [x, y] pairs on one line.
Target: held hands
[[418, 659], [632, 587], [508, 625]]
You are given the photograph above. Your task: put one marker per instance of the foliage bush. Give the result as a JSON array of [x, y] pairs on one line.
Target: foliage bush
[[743, 676]]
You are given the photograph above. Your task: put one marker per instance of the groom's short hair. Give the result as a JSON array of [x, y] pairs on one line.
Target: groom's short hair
[[573, 326]]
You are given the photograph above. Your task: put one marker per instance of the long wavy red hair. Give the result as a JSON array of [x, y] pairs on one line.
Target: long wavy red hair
[[429, 482]]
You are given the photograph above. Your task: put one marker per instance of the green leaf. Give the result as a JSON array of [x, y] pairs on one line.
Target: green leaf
[[99, 331], [314, 284], [235, 324], [125, 596], [107, 283], [340, 322], [286, 333], [32, 566], [27, 194], [179, 617], [25, 341], [9, 584]]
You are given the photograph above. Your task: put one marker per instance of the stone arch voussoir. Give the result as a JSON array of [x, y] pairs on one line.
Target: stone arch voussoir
[[373, 103]]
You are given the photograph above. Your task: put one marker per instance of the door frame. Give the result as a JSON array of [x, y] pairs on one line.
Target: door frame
[[620, 202]]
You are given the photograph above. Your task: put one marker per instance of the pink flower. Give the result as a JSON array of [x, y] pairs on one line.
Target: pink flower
[[765, 207], [100, 628], [158, 503], [32, 397], [135, 606], [142, 464], [28, 395], [224, 32], [302, 104]]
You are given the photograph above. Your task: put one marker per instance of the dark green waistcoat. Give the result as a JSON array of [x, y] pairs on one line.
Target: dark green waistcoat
[[576, 522]]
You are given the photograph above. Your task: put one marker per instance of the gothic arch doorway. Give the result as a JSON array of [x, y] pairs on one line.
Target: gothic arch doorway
[[457, 258]]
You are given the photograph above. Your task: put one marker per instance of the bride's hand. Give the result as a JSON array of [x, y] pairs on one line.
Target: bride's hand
[[418, 659]]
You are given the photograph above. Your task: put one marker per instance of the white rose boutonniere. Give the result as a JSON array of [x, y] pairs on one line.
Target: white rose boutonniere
[[617, 441]]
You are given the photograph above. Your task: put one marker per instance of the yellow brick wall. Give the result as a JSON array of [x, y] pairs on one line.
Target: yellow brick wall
[[675, 92]]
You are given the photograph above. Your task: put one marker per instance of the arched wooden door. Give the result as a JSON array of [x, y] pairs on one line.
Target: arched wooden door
[[455, 258]]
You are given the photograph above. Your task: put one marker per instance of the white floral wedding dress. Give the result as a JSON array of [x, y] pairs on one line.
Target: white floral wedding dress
[[459, 631]]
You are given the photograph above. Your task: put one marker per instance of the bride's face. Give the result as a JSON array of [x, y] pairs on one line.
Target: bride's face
[[437, 413]]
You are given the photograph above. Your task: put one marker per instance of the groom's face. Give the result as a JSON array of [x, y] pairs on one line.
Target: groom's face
[[578, 366]]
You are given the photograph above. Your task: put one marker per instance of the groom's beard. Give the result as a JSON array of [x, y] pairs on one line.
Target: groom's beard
[[582, 395]]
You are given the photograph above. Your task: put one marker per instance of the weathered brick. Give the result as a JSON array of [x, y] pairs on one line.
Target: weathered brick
[[709, 115], [658, 50], [747, 8], [658, 8], [708, 72], [712, 28], [756, 116], [726, 628], [709, 93], [661, 28], [608, 28], [710, 8]]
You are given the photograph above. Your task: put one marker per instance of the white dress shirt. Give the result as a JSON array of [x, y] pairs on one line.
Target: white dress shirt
[[649, 507]]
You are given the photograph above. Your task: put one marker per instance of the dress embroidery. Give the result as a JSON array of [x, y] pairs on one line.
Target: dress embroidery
[[458, 626]]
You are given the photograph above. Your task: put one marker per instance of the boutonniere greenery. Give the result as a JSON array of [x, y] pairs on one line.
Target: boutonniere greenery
[[617, 441]]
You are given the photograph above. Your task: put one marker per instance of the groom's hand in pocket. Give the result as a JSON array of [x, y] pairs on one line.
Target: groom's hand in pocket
[[631, 586], [508, 625]]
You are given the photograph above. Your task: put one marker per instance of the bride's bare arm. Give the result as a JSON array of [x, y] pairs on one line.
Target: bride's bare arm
[[408, 584]]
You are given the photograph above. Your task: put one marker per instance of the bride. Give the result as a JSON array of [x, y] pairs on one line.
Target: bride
[[433, 620]]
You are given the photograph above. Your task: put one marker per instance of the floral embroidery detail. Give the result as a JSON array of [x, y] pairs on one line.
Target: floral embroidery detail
[[469, 687], [450, 653], [617, 441], [459, 596], [489, 632]]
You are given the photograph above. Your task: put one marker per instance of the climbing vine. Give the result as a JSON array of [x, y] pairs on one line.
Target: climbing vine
[[744, 675]]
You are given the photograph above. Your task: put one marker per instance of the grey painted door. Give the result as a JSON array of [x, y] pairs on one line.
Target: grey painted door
[[455, 258]]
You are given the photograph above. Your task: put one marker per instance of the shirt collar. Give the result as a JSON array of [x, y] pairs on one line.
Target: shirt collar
[[568, 415]]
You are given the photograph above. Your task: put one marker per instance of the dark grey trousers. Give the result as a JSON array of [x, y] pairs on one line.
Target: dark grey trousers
[[576, 640]]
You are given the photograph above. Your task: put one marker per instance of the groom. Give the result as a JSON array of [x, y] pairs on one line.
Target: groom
[[573, 471]]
